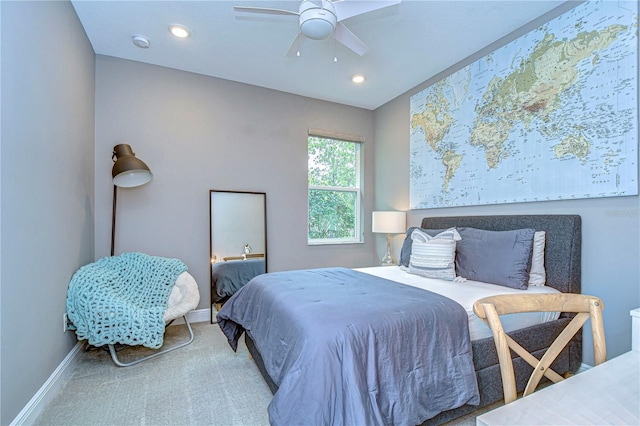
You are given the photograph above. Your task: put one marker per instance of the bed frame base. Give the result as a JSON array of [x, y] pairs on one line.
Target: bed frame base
[[116, 361], [257, 358]]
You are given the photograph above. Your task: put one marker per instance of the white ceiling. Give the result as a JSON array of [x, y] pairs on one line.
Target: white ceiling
[[408, 43]]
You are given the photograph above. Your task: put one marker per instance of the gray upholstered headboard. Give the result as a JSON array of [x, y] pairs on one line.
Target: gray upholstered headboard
[[563, 241]]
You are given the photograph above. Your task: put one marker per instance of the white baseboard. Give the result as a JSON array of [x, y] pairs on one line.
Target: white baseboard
[[49, 389], [198, 315], [58, 378]]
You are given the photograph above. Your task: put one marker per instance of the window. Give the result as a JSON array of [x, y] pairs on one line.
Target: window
[[335, 195]]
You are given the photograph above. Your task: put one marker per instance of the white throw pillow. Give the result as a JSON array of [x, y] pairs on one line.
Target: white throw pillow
[[434, 257], [537, 274]]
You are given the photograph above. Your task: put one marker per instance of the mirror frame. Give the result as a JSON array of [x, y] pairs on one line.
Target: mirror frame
[[212, 192]]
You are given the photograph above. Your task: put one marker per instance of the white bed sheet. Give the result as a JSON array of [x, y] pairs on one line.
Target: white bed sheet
[[466, 293]]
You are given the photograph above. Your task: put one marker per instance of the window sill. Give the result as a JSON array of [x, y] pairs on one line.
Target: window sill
[[333, 242]]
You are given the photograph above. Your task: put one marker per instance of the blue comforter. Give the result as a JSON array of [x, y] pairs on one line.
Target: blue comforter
[[348, 348]]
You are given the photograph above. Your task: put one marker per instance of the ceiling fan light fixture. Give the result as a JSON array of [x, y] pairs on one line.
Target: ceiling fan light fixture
[[321, 19], [179, 31], [317, 22], [317, 28]]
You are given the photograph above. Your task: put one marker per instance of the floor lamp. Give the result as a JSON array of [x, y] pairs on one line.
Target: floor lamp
[[389, 223], [128, 172]]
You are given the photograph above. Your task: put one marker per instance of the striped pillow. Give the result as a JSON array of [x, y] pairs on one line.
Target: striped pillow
[[434, 257], [537, 273]]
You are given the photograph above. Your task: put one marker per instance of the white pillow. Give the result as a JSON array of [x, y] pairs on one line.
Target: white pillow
[[537, 274], [434, 257]]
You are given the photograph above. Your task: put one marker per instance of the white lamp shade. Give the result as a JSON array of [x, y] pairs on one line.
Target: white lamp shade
[[132, 178], [389, 222]]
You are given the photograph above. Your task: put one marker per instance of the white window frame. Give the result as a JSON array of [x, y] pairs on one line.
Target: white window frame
[[357, 190]]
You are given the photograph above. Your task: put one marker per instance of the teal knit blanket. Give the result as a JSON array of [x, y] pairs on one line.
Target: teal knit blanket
[[121, 299]]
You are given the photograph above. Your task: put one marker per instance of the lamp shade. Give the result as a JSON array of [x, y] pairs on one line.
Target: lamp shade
[[389, 222], [128, 171]]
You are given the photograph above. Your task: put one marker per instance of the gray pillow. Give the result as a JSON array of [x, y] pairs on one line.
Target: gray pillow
[[405, 251], [496, 257]]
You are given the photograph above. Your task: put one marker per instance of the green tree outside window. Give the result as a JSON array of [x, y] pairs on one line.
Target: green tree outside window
[[334, 191]]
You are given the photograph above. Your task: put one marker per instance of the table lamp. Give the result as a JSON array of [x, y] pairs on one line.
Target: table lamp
[[389, 222]]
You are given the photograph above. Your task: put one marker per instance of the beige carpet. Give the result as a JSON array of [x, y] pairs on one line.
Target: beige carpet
[[205, 383]]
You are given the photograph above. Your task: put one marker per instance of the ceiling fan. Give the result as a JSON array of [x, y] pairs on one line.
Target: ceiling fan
[[321, 19]]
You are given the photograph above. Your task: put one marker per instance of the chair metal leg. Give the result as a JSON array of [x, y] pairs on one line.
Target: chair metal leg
[[114, 354]]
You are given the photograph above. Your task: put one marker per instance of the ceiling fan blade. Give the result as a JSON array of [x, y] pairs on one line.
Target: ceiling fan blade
[[348, 8], [296, 45], [349, 39], [264, 10]]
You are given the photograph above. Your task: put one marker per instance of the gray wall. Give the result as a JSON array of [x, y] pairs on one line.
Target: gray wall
[[610, 231], [47, 190], [198, 133]]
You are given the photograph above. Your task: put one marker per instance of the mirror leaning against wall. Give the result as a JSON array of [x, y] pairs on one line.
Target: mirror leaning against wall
[[238, 241]]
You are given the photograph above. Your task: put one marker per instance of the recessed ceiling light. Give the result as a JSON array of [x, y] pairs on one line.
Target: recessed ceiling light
[[141, 41], [357, 78], [179, 31]]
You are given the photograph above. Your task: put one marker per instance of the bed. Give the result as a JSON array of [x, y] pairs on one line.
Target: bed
[[392, 396], [229, 276]]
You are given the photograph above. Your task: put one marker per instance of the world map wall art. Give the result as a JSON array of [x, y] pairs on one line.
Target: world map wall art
[[553, 115]]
